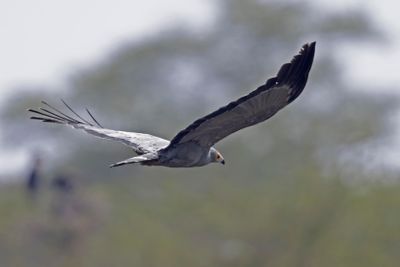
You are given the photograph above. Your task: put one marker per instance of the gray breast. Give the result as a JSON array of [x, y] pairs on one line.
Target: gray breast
[[185, 155]]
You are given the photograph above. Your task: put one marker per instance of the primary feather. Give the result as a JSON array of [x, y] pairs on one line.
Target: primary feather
[[255, 107], [140, 142]]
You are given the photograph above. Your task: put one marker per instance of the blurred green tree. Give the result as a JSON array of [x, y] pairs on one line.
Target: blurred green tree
[[161, 84], [279, 201]]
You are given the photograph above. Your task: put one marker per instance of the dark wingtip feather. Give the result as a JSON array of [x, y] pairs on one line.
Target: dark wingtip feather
[[295, 73], [76, 114], [93, 118], [45, 120], [54, 115]]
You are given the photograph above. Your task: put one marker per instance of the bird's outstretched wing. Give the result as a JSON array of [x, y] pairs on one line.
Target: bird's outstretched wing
[[141, 143], [255, 107]]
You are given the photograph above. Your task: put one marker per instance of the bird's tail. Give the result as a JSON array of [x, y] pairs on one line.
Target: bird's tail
[[142, 159]]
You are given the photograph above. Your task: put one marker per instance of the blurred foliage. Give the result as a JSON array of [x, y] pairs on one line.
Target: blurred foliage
[[307, 221], [283, 199]]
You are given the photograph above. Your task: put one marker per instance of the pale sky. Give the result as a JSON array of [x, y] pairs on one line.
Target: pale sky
[[43, 40]]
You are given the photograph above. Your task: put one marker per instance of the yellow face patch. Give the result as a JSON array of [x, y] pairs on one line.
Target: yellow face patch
[[218, 157]]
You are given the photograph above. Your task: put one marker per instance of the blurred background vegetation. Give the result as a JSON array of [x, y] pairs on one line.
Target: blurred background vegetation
[[304, 189]]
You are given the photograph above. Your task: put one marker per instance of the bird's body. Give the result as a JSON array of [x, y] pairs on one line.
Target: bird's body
[[193, 146], [186, 155]]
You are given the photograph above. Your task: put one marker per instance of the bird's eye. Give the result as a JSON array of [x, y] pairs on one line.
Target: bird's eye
[[218, 156]]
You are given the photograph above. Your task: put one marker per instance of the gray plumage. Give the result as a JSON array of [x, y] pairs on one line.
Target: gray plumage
[[193, 146]]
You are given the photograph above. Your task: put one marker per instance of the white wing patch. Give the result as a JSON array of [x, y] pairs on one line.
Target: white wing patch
[[140, 142]]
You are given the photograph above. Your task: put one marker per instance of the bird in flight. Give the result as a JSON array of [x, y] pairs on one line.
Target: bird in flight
[[193, 146]]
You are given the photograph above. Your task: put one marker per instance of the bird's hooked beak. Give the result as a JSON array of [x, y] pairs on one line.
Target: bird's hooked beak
[[219, 158]]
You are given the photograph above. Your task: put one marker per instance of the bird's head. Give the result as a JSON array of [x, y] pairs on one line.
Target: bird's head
[[215, 156]]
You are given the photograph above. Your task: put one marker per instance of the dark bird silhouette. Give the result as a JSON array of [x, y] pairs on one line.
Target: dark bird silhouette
[[33, 179]]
